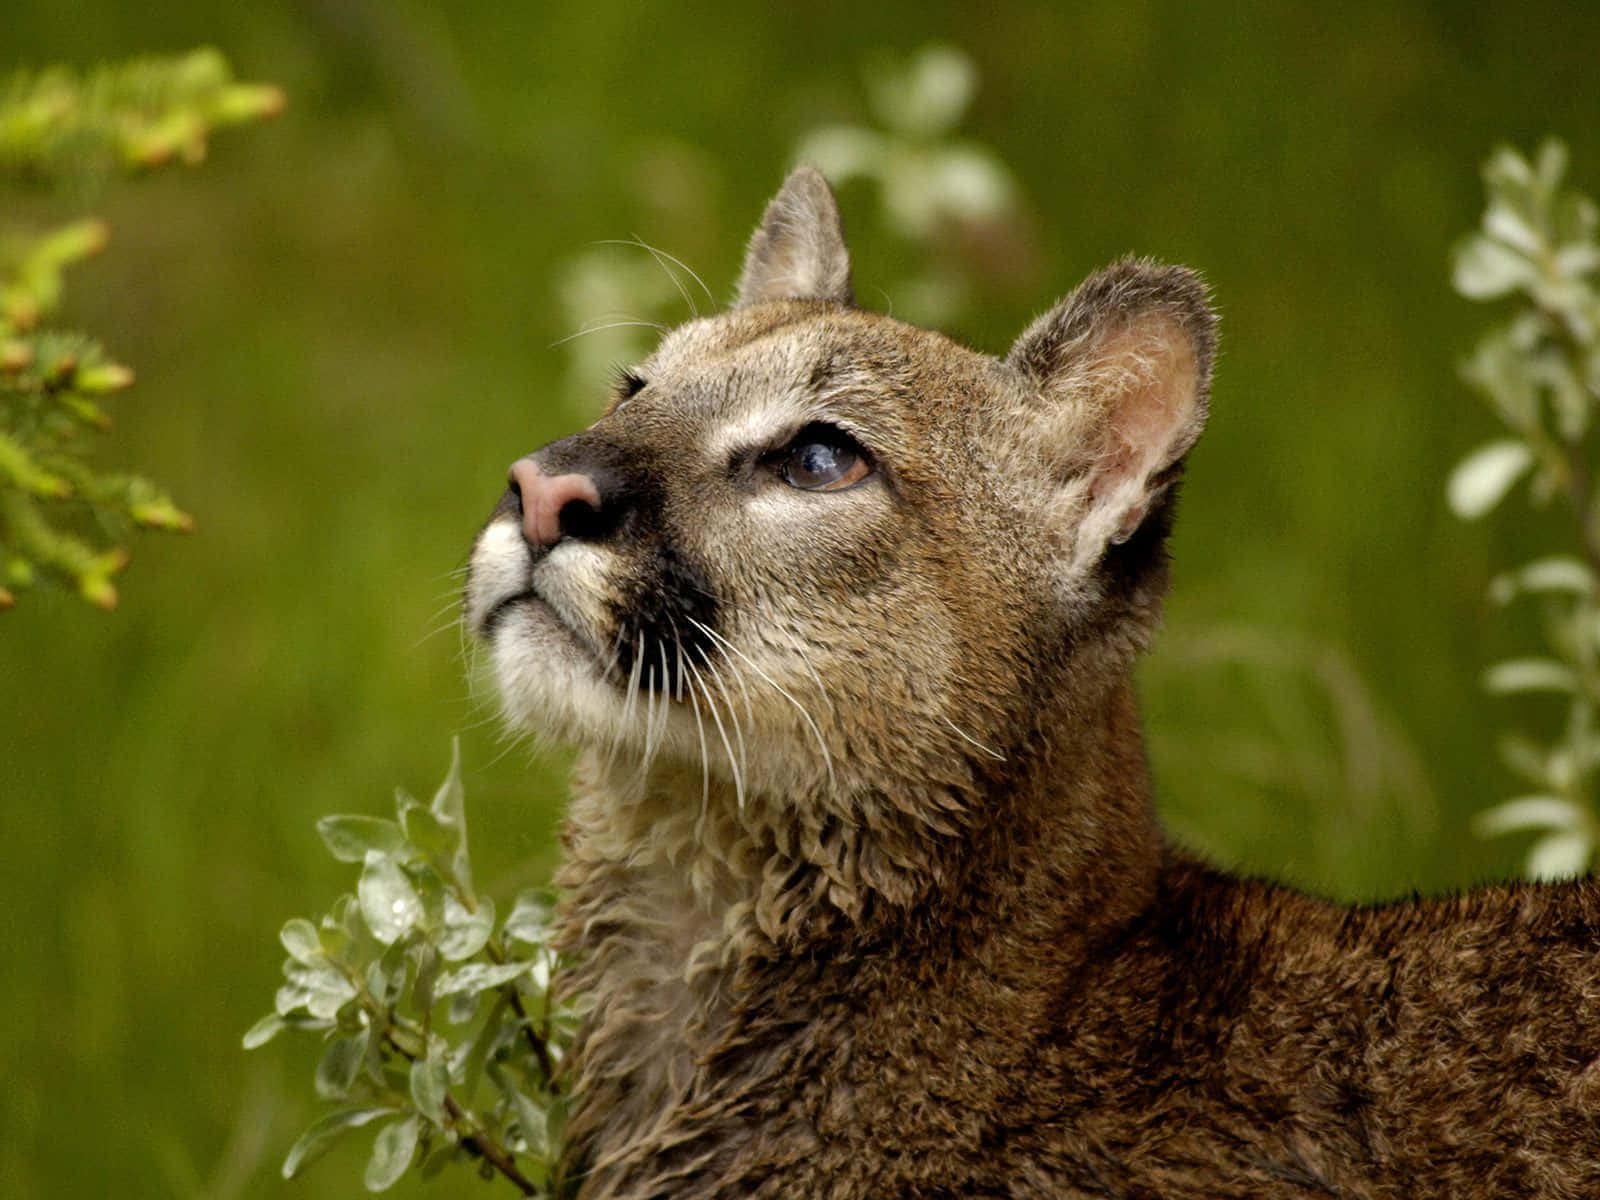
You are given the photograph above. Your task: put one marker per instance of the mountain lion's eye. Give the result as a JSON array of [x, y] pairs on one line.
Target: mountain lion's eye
[[821, 459]]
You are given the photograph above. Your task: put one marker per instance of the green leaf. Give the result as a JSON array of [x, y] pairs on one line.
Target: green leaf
[[389, 904], [479, 977], [430, 1081], [1560, 856], [392, 1152], [351, 838], [1527, 812], [264, 1030], [465, 932], [320, 1138], [429, 963], [299, 938], [450, 807], [326, 989], [386, 978], [1485, 268], [1529, 675], [1482, 479], [532, 1123], [429, 834], [340, 1064], [1555, 574], [532, 917]]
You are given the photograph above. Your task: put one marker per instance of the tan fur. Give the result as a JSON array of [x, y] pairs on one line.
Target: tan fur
[[862, 866]]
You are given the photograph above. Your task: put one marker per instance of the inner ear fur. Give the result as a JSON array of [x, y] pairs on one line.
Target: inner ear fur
[[798, 250], [1122, 370]]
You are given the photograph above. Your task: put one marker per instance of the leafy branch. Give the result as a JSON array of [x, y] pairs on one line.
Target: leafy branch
[[1540, 372], [436, 1021], [58, 515]]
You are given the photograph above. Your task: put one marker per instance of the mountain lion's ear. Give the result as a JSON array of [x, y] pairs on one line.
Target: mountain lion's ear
[[1122, 369], [798, 252]]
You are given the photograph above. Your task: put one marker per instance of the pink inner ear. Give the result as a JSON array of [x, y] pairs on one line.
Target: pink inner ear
[[1152, 414]]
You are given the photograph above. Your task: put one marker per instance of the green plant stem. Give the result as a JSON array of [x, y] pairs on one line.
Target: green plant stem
[[474, 1140], [489, 1150], [537, 1044]]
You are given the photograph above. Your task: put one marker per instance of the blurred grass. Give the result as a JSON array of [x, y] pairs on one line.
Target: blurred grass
[[344, 328]]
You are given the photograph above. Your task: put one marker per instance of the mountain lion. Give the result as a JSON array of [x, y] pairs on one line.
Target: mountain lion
[[862, 866]]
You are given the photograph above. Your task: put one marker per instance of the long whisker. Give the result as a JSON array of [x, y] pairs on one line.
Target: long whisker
[[722, 733], [733, 719], [699, 726], [661, 261], [662, 254], [588, 329], [967, 737], [816, 732]]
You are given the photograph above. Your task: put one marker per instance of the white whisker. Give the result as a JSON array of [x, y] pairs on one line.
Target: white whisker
[[967, 737], [816, 732], [588, 329], [722, 733]]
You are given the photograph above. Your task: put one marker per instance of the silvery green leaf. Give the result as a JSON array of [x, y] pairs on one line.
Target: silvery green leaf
[[1560, 856], [316, 1141], [1558, 573], [463, 1007], [340, 1064], [264, 1030], [428, 966], [351, 838], [1527, 812], [1512, 227], [926, 96], [532, 1124], [1525, 757], [431, 893], [299, 938], [450, 807], [392, 1152], [429, 834], [1529, 675], [430, 1081], [532, 917], [1549, 165], [386, 978], [842, 152], [1485, 268], [1496, 369], [288, 998], [1482, 479], [479, 977], [324, 989], [1507, 170], [465, 931], [971, 183], [389, 903], [1577, 259], [326, 1001]]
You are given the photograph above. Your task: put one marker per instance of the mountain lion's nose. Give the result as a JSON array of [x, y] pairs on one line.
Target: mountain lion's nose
[[553, 506]]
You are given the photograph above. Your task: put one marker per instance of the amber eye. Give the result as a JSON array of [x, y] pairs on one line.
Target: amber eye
[[822, 459]]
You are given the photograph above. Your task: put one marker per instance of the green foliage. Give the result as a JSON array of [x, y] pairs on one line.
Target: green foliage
[[935, 189], [1540, 372], [59, 515], [439, 1021]]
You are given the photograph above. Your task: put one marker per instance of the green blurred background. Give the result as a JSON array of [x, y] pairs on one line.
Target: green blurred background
[[349, 321]]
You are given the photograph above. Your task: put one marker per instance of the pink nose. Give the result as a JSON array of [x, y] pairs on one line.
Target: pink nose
[[544, 496]]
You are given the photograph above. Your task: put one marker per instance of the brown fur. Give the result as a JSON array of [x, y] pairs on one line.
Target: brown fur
[[862, 864]]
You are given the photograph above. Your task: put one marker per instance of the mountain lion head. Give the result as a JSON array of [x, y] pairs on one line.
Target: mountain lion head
[[811, 553]]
